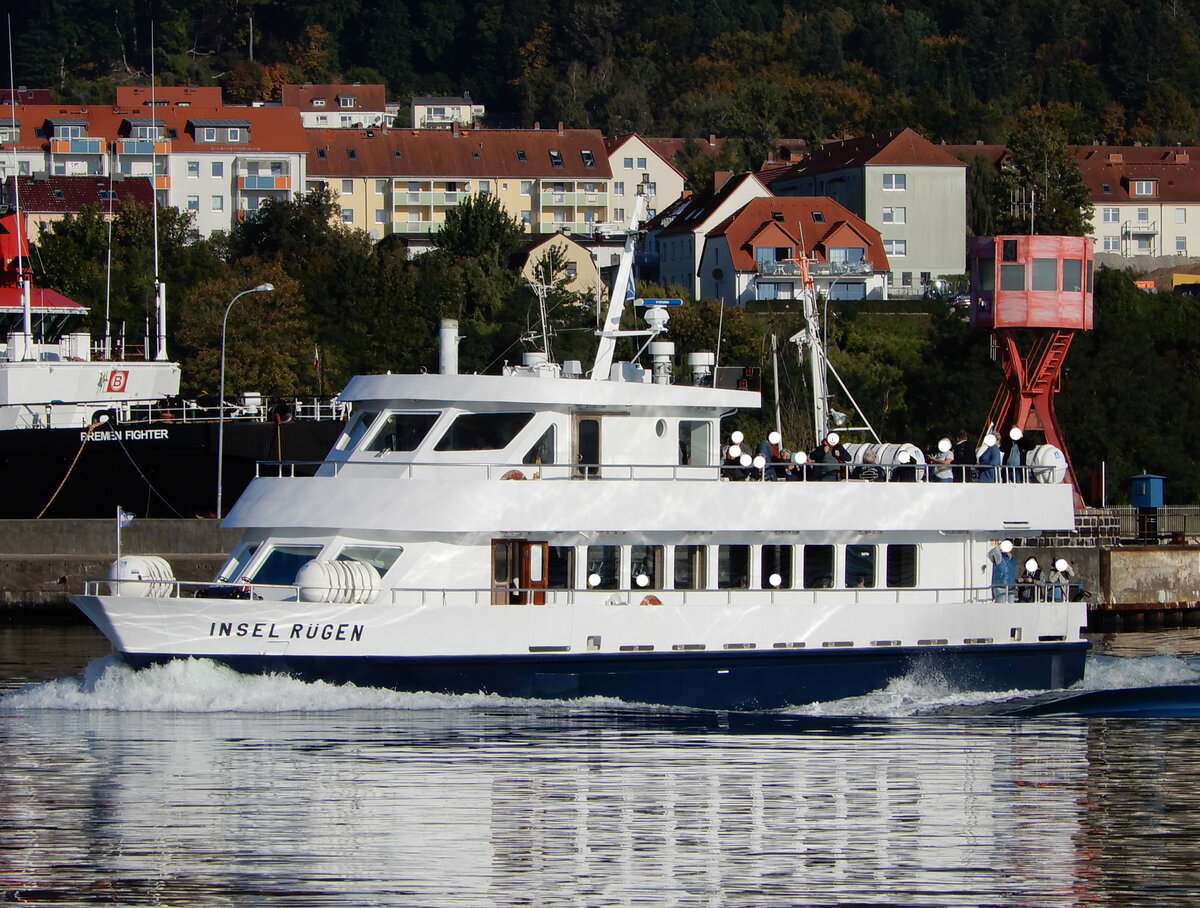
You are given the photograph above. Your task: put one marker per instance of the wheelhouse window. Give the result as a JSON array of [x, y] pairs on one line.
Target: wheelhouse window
[[282, 563], [902, 565], [482, 431], [542, 450], [776, 567], [733, 567], [860, 566], [237, 563], [690, 567], [603, 566], [353, 433], [380, 557], [695, 443], [401, 432], [818, 567], [646, 561]]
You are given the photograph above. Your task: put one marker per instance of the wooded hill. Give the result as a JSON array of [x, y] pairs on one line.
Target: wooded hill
[[749, 70]]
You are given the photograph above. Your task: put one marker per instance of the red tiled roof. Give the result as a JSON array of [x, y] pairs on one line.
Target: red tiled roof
[[797, 222], [70, 194], [1174, 169], [169, 95], [903, 148], [697, 209], [367, 96], [271, 128], [467, 153]]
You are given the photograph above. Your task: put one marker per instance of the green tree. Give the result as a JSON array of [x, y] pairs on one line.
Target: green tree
[[480, 228], [1041, 172]]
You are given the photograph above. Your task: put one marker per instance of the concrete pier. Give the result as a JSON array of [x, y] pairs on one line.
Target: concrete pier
[[41, 561]]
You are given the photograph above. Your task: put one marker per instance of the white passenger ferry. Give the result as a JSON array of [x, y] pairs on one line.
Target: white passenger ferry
[[541, 534]]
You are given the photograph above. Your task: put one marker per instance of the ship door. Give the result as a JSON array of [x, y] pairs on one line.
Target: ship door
[[587, 446], [518, 572]]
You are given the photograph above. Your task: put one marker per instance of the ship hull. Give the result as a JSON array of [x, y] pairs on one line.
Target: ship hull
[[750, 680], [155, 469]]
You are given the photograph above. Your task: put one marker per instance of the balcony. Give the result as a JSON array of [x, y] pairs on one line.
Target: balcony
[[77, 146], [792, 267], [269, 183], [143, 146], [1140, 228], [162, 181]]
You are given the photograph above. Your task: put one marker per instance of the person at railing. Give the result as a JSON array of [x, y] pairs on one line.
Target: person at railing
[[827, 459], [869, 470], [964, 457], [989, 459], [1030, 587], [1014, 458], [1004, 571], [942, 460], [1059, 581]]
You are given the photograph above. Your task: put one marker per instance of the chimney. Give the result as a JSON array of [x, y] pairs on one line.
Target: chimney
[[560, 127], [712, 139], [537, 124]]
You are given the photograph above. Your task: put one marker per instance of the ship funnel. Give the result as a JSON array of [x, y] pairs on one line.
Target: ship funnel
[[448, 347], [701, 365]]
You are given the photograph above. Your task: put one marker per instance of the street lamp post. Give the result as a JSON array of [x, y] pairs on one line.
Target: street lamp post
[[261, 288]]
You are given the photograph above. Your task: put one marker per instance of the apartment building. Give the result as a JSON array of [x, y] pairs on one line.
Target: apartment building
[[353, 105], [912, 191], [403, 181], [46, 199], [764, 249], [444, 112], [219, 163], [636, 163]]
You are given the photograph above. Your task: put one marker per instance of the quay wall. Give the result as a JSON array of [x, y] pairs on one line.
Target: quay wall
[[41, 561]]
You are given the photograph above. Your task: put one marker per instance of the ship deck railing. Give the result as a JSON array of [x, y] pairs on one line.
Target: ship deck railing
[[406, 469], [538, 597]]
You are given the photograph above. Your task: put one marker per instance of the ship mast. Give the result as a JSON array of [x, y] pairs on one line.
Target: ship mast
[[622, 290]]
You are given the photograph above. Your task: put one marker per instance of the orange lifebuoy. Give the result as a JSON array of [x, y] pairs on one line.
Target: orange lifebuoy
[[651, 600], [513, 474]]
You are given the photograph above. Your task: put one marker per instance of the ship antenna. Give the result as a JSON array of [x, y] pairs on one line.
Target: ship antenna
[[622, 291], [160, 288], [23, 281]]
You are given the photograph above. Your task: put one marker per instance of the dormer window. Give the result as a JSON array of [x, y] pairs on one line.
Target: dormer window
[[1145, 187], [346, 101], [318, 102], [235, 134], [210, 135]]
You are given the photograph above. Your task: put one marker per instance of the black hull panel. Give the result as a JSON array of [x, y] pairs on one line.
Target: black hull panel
[[161, 469], [759, 680]]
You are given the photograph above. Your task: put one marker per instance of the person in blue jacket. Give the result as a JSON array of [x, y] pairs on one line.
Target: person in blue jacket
[[989, 458], [1004, 571]]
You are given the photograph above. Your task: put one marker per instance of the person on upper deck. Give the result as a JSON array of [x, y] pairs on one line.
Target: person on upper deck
[[942, 461], [870, 469], [989, 459], [828, 457], [964, 457]]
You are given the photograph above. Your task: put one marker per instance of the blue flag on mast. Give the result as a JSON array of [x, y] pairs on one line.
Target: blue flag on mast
[[125, 518]]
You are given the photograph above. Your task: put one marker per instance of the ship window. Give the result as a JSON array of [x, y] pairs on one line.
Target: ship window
[[560, 568], [689, 567], [482, 431], [237, 563], [1012, 277], [543, 450], [282, 563], [1045, 274], [902, 565], [401, 432], [818, 567], [1072, 281], [603, 566], [860, 566], [695, 445], [646, 561], [777, 559], [379, 557], [733, 567], [356, 430]]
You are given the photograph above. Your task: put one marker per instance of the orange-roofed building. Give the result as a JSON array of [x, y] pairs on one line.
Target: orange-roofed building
[[765, 249], [353, 105], [403, 181]]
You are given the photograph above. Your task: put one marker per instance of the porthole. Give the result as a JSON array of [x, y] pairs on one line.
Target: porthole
[[660, 428]]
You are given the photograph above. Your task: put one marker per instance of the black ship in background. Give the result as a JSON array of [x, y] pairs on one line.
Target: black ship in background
[[87, 427]]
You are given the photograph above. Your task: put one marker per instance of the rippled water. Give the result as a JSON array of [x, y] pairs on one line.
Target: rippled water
[[190, 785]]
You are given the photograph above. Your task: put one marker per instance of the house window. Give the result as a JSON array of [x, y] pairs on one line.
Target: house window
[[210, 134], [893, 215], [905, 278], [318, 102], [651, 189], [347, 187], [1144, 187], [1180, 215], [193, 203], [589, 160], [218, 168], [380, 216], [235, 135], [641, 163], [618, 188], [1143, 215], [193, 168], [818, 217], [618, 214], [1181, 245], [485, 187], [218, 203], [520, 154], [346, 101], [1112, 244], [895, 247], [347, 215], [381, 187], [526, 217], [527, 187], [322, 120], [628, 163], [1112, 215], [895, 182]]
